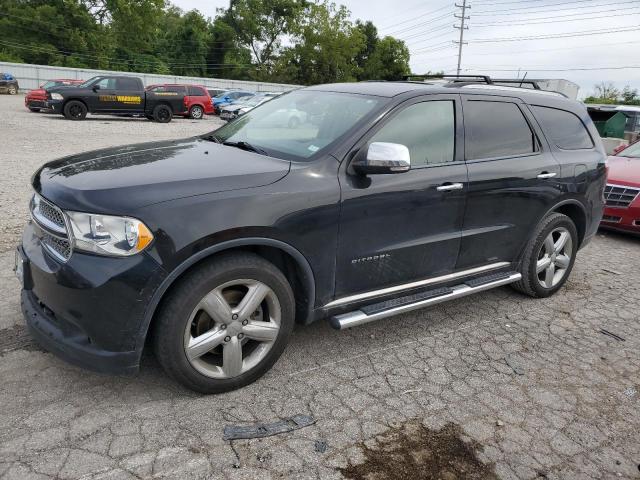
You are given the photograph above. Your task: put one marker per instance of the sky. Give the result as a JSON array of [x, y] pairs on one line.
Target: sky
[[583, 36]]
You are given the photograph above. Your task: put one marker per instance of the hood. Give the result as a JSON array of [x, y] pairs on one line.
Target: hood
[[122, 179], [65, 88], [624, 171], [37, 92]]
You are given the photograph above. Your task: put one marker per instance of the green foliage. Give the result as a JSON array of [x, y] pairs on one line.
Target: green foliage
[[293, 41], [608, 94]]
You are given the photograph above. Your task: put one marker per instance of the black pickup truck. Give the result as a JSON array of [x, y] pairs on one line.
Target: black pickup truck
[[120, 95]]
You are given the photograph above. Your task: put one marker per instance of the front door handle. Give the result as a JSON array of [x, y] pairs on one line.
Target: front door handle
[[547, 175], [447, 187]]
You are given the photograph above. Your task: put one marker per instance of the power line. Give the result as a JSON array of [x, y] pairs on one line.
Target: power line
[[581, 47], [420, 25], [506, 12], [534, 21], [415, 18], [537, 7], [559, 35]]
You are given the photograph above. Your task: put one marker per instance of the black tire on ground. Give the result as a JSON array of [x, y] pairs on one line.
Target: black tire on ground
[[534, 251], [171, 321], [13, 90], [196, 112], [75, 110], [162, 114], [34, 109]]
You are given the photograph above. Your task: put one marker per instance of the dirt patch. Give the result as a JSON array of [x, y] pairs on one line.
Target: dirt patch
[[414, 451], [17, 338]]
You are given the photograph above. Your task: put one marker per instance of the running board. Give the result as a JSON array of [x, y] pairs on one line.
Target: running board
[[416, 301]]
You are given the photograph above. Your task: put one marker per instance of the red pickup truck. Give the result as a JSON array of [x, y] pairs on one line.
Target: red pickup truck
[[35, 99]]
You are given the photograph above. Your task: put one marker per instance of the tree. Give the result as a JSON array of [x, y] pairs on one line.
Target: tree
[[261, 24], [370, 32], [326, 44], [607, 93], [390, 61]]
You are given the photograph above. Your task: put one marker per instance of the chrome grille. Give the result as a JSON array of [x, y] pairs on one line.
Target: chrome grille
[[59, 247], [52, 229], [620, 196]]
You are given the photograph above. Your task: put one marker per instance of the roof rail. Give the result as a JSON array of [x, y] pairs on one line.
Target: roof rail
[[454, 78]]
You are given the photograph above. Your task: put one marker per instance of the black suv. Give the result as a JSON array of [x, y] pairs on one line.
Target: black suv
[[382, 198]]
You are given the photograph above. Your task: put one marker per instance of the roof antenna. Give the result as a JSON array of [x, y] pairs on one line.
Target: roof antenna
[[522, 81]]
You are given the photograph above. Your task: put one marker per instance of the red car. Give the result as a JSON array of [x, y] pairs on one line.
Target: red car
[[622, 197], [197, 100], [36, 99]]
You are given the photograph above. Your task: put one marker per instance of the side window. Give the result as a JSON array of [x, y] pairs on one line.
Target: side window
[[427, 129], [128, 84], [107, 83], [194, 91], [497, 129], [563, 128]]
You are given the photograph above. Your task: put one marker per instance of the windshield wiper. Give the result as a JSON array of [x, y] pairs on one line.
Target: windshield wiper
[[212, 138], [245, 146]]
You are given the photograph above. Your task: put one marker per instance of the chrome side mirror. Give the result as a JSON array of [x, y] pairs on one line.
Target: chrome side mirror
[[383, 158]]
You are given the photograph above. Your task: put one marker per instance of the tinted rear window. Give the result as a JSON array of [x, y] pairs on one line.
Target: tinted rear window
[[563, 128], [497, 129], [128, 84], [196, 92]]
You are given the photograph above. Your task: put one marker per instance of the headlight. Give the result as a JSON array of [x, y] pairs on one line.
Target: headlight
[[107, 235], [56, 96]]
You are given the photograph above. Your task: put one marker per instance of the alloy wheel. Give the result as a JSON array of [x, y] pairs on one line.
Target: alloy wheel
[[232, 328], [554, 257], [196, 112]]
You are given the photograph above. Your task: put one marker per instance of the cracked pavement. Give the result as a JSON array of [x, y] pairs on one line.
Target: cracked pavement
[[535, 382]]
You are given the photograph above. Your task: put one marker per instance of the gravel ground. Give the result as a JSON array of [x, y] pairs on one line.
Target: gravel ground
[[492, 386]]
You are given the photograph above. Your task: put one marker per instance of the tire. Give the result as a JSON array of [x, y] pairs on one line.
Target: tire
[[75, 110], [182, 318], [34, 109], [542, 253], [12, 90], [196, 112], [162, 114], [294, 122]]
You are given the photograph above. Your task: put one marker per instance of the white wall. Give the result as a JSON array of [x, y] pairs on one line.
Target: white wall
[[32, 76]]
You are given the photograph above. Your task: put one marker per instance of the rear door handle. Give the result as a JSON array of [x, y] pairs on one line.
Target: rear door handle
[[547, 175], [447, 187]]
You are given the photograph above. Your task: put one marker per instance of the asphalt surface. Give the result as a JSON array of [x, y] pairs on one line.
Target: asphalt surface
[[535, 387]]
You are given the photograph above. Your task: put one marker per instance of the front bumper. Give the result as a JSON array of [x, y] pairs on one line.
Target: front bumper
[[623, 219], [35, 103], [88, 311], [55, 105]]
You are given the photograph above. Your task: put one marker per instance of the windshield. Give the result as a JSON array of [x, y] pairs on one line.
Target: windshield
[[253, 101], [632, 151], [299, 124], [89, 82]]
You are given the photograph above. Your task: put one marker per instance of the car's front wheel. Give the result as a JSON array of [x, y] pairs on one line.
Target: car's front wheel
[[225, 324], [549, 256], [75, 110], [13, 90]]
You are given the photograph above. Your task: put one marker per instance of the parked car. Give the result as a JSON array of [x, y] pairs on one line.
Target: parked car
[[242, 106], [115, 95], [8, 84], [394, 198], [228, 97], [35, 100], [214, 92], [197, 100], [622, 193]]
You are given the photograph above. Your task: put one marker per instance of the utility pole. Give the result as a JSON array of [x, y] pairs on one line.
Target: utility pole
[[464, 7]]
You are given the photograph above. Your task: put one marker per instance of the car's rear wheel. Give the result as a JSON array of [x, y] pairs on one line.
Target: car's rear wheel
[[196, 112], [75, 110], [13, 90], [225, 324], [548, 257], [162, 114]]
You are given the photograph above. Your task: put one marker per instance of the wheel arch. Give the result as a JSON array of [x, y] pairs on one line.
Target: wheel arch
[[287, 258], [576, 212], [77, 99]]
